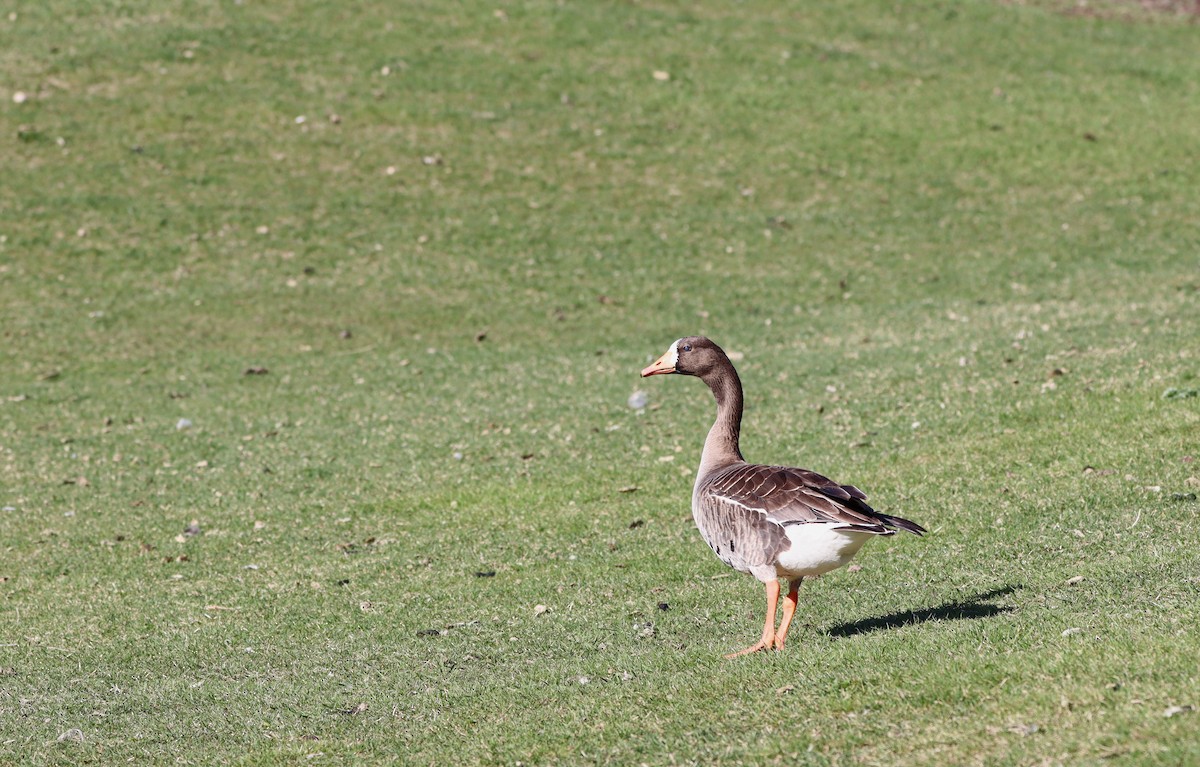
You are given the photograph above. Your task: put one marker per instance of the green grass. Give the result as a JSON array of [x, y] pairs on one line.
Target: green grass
[[956, 244]]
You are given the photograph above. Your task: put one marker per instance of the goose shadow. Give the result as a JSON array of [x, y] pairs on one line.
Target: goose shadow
[[971, 608]]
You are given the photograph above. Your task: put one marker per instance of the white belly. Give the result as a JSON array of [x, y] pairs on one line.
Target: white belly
[[817, 549]]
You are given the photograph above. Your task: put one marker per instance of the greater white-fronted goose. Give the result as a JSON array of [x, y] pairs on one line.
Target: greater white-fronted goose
[[770, 521]]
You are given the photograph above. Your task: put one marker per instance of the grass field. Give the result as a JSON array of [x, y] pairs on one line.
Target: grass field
[[320, 321]]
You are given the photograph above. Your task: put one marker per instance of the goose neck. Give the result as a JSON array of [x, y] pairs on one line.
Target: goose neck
[[721, 446]]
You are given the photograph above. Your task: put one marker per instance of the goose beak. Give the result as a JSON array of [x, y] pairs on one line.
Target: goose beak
[[661, 366]]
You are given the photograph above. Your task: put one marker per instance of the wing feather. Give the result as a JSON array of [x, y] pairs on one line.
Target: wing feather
[[788, 496]]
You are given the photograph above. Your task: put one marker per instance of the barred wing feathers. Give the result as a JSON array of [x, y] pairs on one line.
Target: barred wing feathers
[[759, 501]]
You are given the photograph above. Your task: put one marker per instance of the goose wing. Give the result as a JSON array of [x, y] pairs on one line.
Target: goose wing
[[782, 495]]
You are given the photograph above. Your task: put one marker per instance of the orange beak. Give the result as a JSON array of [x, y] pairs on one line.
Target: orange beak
[[660, 366]]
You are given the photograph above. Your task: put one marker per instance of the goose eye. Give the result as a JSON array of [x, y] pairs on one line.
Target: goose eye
[[687, 347]]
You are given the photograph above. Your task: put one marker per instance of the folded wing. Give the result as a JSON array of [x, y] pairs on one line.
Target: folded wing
[[784, 496]]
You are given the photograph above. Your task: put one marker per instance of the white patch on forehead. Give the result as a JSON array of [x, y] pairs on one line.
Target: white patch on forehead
[[672, 354]]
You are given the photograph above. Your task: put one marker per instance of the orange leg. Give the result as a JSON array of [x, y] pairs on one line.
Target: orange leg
[[789, 609], [768, 635]]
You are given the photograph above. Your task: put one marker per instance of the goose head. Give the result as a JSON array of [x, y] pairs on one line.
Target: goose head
[[692, 356]]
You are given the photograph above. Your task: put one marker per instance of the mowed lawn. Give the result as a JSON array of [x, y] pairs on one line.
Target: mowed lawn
[[320, 323]]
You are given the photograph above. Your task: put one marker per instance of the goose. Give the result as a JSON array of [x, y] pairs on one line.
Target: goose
[[773, 522]]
